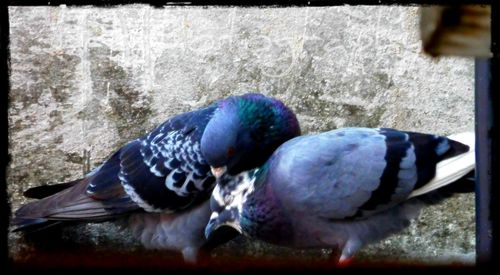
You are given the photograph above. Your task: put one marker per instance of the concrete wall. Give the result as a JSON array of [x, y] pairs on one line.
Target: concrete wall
[[86, 80]]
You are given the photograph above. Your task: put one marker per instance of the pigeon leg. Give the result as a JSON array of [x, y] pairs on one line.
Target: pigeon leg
[[335, 255], [350, 248], [345, 262], [337, 260]]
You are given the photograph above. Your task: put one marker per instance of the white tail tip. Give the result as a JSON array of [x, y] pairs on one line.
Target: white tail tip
[[452, 169]]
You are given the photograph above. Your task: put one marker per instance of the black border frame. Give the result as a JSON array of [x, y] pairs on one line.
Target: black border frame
[[486, 109]]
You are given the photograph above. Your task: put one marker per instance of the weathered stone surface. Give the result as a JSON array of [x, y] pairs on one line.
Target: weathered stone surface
[[86, 80]]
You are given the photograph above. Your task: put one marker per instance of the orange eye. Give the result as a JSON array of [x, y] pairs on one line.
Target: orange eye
[[230, 152]]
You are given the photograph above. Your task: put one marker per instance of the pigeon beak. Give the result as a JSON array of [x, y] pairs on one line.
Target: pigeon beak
[[220, 236], [222, 225], [218, 171]]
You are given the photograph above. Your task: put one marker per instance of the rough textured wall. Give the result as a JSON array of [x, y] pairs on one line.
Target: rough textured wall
[[86, 80]]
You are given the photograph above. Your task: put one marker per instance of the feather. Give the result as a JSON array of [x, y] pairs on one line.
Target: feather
[[40, 192], [452, 169]]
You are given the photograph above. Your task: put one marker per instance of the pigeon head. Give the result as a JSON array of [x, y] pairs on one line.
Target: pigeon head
[[244, 131]]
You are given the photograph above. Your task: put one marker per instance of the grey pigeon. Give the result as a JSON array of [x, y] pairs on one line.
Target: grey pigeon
[[342, 189]]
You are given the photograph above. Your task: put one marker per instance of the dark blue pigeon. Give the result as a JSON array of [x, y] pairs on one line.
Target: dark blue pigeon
[[342, 189], [162, 181]]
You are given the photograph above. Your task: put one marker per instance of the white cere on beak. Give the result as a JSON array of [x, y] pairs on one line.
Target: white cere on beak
[[218, 171]]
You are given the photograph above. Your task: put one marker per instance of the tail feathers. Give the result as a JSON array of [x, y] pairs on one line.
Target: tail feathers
[[70, 204], [455, 168], [44, 191], [459, 144], [32, 225], [466, 184]]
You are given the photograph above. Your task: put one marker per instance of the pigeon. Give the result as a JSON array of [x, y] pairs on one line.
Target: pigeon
[[160, 183], [342, 189]]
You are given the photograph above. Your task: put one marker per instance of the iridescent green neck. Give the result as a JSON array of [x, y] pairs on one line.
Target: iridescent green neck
[[262, 116]]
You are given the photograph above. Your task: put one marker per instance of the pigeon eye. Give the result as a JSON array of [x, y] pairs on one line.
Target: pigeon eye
[[230, 152]]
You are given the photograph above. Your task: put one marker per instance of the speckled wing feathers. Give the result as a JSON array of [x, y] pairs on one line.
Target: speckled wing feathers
[[165, 171]]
